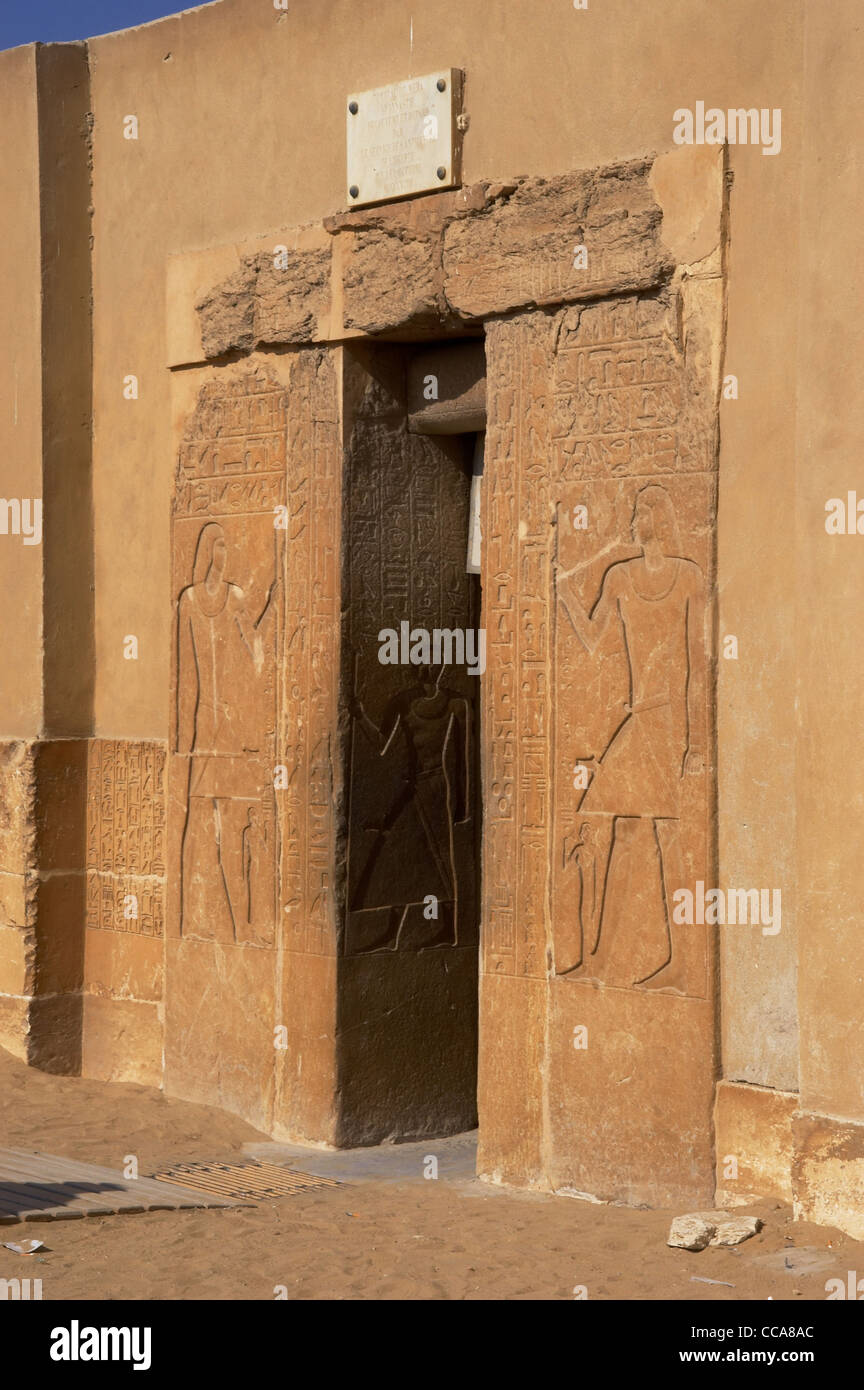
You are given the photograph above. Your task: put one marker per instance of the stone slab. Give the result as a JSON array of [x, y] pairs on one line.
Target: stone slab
[[446, 390], [526, 249], [755, 1143], [402, 139], [386, 1163], [274, 288], [828, 1172], [439, 263]]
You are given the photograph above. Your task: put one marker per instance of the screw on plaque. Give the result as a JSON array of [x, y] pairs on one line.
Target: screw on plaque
[[353, 108], [441, 171], [442, 85], [354, 191]]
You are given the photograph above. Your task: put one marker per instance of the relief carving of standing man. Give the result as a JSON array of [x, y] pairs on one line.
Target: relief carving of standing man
[[657, 601], [221, 654]]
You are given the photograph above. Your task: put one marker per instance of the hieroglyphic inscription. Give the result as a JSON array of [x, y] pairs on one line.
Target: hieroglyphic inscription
[[311, 672], [618, 394], [228, 590], [125, 836], [631, 716], [518, 541]]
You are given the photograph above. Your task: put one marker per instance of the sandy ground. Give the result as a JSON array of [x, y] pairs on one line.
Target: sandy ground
[[411, 1239]]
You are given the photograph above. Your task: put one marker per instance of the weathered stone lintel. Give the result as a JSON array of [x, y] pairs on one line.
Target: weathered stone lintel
[[271, 298], [440, 263]]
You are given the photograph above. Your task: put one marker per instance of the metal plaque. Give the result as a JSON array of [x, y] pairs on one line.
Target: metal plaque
[[404, 138]]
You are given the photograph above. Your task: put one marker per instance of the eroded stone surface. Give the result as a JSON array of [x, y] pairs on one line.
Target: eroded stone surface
[[389, 261], [227, 313], [290, 296], [272, 298], [523, 250], [691, 1232], [736, 1230], [17, 807]]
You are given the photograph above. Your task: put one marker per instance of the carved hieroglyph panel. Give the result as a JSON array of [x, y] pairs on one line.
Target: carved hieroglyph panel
[[126, 836], [598, 534], [413, 786], [228, 592], [627, 402], [517, 594], [634, 526], [311, 655], [598, 779], [632, 741]]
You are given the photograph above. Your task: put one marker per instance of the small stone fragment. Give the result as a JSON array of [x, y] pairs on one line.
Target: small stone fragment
[[735, 1230], [690, 1232]]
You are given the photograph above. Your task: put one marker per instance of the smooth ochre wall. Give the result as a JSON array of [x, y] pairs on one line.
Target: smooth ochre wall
[[241, 111], [20, 390], [828, 571]]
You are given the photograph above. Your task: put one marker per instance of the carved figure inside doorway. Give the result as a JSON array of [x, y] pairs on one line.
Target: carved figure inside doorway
[[429, 726]]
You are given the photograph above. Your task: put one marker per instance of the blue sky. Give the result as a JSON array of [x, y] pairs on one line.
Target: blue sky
[[54, 21]]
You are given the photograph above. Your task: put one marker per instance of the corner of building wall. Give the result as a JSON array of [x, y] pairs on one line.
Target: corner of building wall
[[44, 778], [770, 1146], [96, 881], [755, 1145], [42, 895], [65, 163]]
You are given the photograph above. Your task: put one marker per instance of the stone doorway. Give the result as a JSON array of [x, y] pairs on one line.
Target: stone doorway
[[600, 457]]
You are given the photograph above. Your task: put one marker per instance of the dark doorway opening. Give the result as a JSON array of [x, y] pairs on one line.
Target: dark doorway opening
[[414, 661]]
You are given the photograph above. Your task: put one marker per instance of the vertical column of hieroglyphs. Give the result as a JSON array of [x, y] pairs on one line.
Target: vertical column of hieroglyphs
[[518, 541], [517, 559], [311, 662], [126, 837], [634, 449], [309, 773]]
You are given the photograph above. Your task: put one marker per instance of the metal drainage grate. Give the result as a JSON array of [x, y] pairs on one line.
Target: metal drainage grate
[[244, 1181]]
